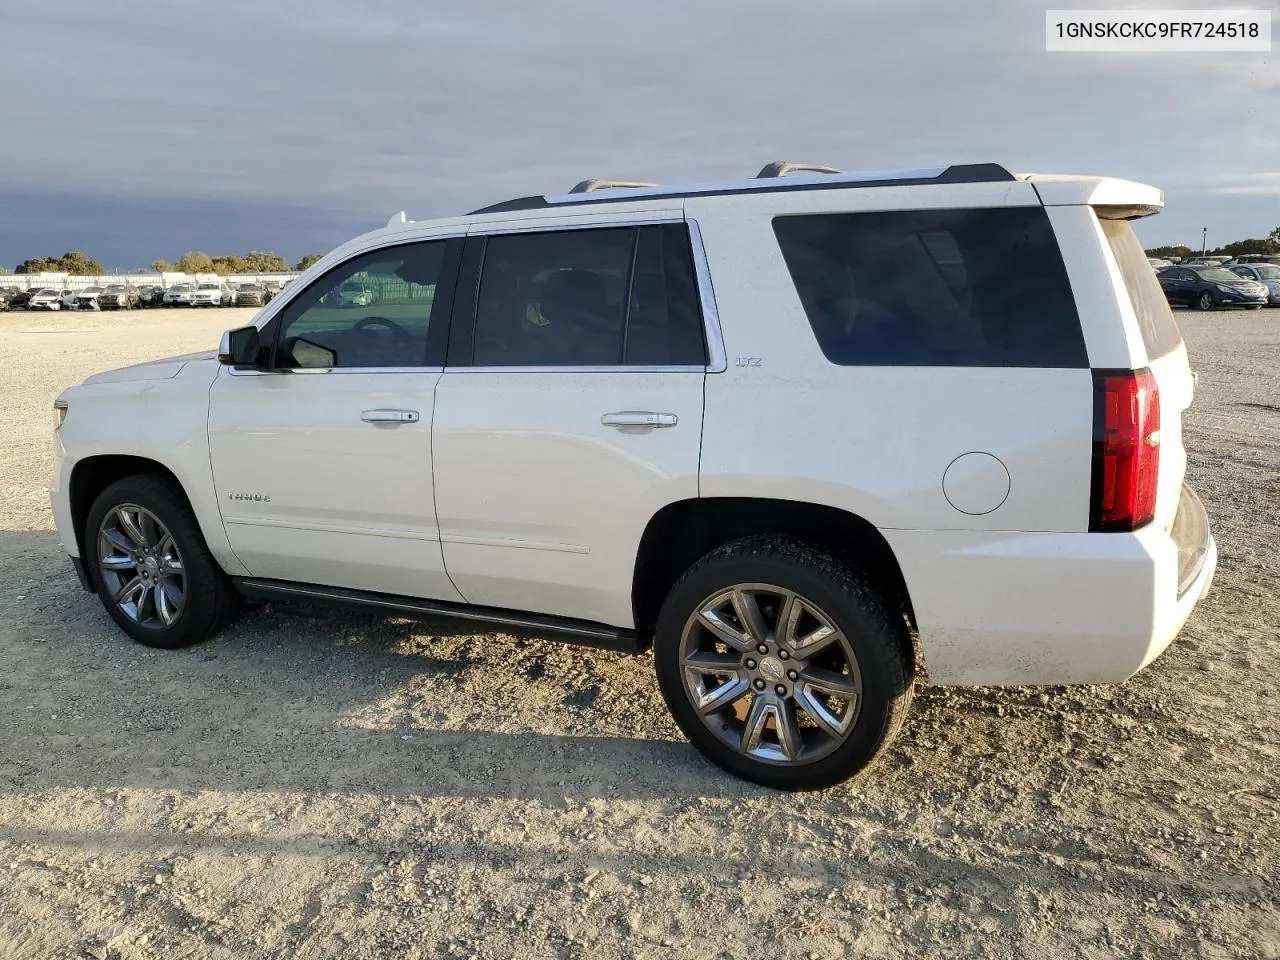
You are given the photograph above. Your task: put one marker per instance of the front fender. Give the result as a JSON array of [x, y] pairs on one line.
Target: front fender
[[165, 421]]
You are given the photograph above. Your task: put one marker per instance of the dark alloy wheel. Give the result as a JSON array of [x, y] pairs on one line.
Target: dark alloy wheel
[[151, 567], [782, 665]]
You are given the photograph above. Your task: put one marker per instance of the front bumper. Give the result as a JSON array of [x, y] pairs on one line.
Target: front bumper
[[1053, 608], [1242, 299]]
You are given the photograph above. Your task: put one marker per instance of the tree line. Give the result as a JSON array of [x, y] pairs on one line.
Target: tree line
[[78, 263], [1268, 246]]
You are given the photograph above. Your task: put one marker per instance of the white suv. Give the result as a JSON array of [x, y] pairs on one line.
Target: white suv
[[771, 428]]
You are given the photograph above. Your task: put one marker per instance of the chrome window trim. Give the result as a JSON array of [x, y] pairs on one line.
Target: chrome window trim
[[291, 371], [717, 358], [617, 368]]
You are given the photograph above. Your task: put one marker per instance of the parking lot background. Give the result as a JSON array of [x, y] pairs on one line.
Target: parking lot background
[[321, 784]]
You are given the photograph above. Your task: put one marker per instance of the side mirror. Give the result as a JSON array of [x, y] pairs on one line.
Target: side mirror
[[239, 348]]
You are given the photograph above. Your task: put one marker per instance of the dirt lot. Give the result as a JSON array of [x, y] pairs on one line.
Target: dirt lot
[[321, 785]]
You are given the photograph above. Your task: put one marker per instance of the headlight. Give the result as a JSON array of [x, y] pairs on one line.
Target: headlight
[[59, 412], [1225, 289]]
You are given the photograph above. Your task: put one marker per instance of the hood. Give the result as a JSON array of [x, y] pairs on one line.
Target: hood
[[165, 369]]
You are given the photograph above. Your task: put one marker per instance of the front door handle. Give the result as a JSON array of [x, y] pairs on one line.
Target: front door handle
[[389, 416], [639, 418]]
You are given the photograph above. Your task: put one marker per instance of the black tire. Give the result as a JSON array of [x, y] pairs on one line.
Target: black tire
[[209, 600], [878, 638], [1205, 301]]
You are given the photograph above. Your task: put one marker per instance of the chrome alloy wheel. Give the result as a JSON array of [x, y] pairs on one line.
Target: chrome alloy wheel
[[141, 566], [770, 674]]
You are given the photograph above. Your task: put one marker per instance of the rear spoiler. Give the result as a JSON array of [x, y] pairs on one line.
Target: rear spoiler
[[1110, 198]]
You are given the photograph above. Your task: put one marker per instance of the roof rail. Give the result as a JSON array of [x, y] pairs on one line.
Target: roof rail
[[590, 186], [585, 192], [780, 168]]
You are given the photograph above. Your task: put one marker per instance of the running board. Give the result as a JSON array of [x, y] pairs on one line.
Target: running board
[[536, 625]]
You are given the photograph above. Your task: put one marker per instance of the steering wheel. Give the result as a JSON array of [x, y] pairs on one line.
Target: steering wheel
[[397, 331]]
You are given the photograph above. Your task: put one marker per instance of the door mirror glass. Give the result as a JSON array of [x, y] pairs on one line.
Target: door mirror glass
[[239, 348]]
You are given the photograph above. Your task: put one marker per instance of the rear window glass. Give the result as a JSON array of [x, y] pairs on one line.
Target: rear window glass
[[1159, 330], [971, 288]]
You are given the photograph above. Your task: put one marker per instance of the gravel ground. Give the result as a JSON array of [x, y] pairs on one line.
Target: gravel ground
[[313, 784]]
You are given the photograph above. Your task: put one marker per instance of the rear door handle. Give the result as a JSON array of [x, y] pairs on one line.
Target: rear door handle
[[639, 418], [389, 416]]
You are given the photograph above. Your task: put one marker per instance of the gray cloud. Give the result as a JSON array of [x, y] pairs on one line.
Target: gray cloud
[[327, 114]]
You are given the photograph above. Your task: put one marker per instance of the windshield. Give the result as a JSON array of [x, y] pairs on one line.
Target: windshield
[[113, 289], [1268, 273], [91, 290], [208, 286], [1219, 275], [181, 287]]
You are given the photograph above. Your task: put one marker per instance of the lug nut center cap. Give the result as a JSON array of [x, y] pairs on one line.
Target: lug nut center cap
[[771, 667], [152, 565]]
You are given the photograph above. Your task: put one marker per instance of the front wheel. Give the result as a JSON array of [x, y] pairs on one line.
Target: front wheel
[[1206, 301], [782, 665], [151, 567]]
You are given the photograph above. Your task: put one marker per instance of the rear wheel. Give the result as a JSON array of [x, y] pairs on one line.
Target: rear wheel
[[151, 567], [1206, 301], [782, 665]]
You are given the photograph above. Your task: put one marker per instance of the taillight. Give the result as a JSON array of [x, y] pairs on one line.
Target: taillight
[[1126, 449]]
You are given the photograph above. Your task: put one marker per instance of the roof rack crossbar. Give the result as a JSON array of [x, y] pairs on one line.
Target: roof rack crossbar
[[780, 168], [590, 186]]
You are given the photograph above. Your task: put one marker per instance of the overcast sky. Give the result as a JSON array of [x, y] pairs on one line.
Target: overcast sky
[[135, 130]]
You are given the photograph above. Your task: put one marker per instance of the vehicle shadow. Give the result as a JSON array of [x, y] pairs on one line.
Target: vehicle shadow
[[302, 698], [300, 706]]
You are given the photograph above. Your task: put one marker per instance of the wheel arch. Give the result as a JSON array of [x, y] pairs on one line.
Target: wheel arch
[[92, 475], [685, 530]]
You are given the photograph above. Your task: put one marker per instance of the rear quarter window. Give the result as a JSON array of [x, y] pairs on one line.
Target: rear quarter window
[[973, 288], [1159, 330]]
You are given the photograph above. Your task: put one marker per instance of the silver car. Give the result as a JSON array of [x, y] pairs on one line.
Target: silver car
[[1267, 274]]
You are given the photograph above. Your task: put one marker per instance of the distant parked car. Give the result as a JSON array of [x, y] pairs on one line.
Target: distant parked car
[[1204, 261], [1157, 263], [1247, 258], [354, 294], [45, 299], [1267, 274], [68, 299], [180, 295], [212, 295], [117, 296], [1208, 287], [251, 295], [20, 299], [5, 293], [87, 299], [150, 296]]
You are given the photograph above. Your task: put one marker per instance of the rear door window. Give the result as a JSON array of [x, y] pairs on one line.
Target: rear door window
[[973, 288], [1155, 319], [602, 297]]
